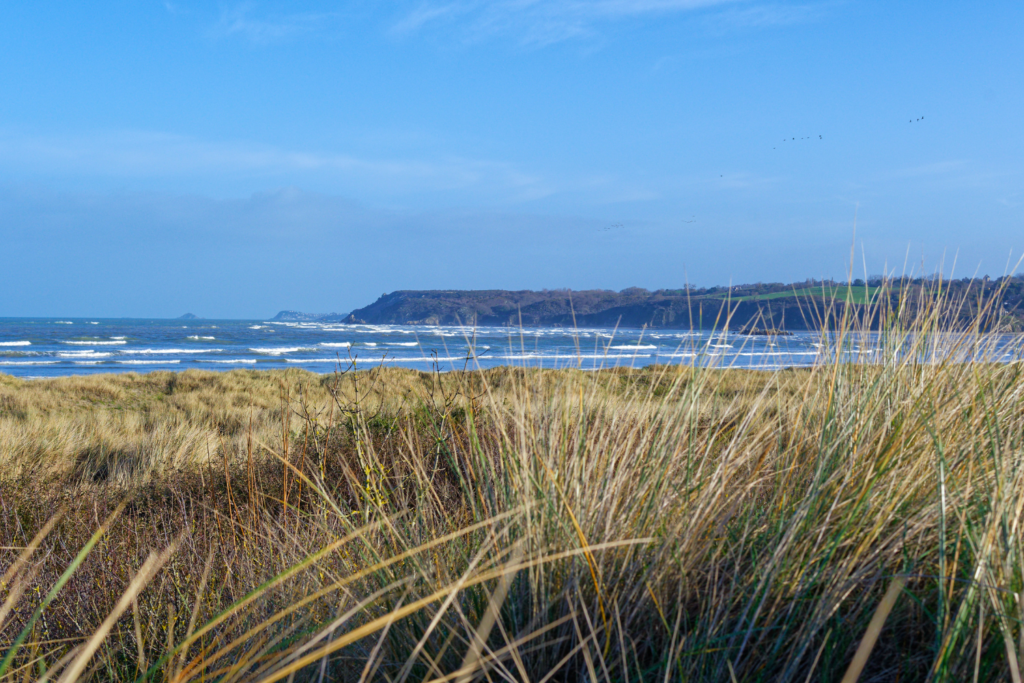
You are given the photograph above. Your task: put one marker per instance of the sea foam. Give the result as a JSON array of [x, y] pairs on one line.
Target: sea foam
[[96, 343], [29, 362], [84, 354], [167, 352], [147, 362], [279, 350]]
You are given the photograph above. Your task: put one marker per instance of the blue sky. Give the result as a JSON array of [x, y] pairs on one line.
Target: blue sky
[[236, 159]]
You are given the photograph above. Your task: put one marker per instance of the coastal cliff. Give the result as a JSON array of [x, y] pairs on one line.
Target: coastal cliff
[[634, 308], [809, 305]]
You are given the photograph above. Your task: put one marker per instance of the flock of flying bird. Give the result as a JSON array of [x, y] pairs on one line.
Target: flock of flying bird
[[809, 137], [693, 219]]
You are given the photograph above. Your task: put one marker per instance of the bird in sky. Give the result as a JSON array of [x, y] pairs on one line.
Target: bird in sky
[[809, 137]]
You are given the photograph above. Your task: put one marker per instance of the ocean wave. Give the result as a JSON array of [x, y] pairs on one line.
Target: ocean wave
[[645, 347], [167, 352], [117, 337], [87, 362], [340, 345], [147, 362], [196, 337], [369, 343], [279, 350], [374, 361], [63, 322], [425, 359], [29, 362], [96, 343], [84, 354], [567, 356], [776, 353], [16, 343], [236, 361]]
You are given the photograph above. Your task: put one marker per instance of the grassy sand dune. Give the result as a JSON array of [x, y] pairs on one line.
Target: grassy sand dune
[[669, 523]]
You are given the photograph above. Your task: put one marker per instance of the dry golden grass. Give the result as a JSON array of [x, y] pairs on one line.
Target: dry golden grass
[[131, 429], [669, 523]]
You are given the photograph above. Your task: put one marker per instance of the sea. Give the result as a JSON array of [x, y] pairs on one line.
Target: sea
[[44, 347]]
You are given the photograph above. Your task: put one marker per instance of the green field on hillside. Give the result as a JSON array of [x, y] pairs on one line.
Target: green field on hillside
[[857, 295]]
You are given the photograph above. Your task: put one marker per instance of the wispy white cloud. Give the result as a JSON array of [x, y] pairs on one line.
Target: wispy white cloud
[[768, 15], [537, 22], [242, 20], [937, 168], [135, 154], [744, 180], [529, 22], [1011, 200], [426, 14]]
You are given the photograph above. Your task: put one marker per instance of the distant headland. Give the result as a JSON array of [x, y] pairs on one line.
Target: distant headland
[[298, 317], [759, 308]]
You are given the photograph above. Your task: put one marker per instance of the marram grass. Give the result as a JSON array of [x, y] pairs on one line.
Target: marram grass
[[665, 524]]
